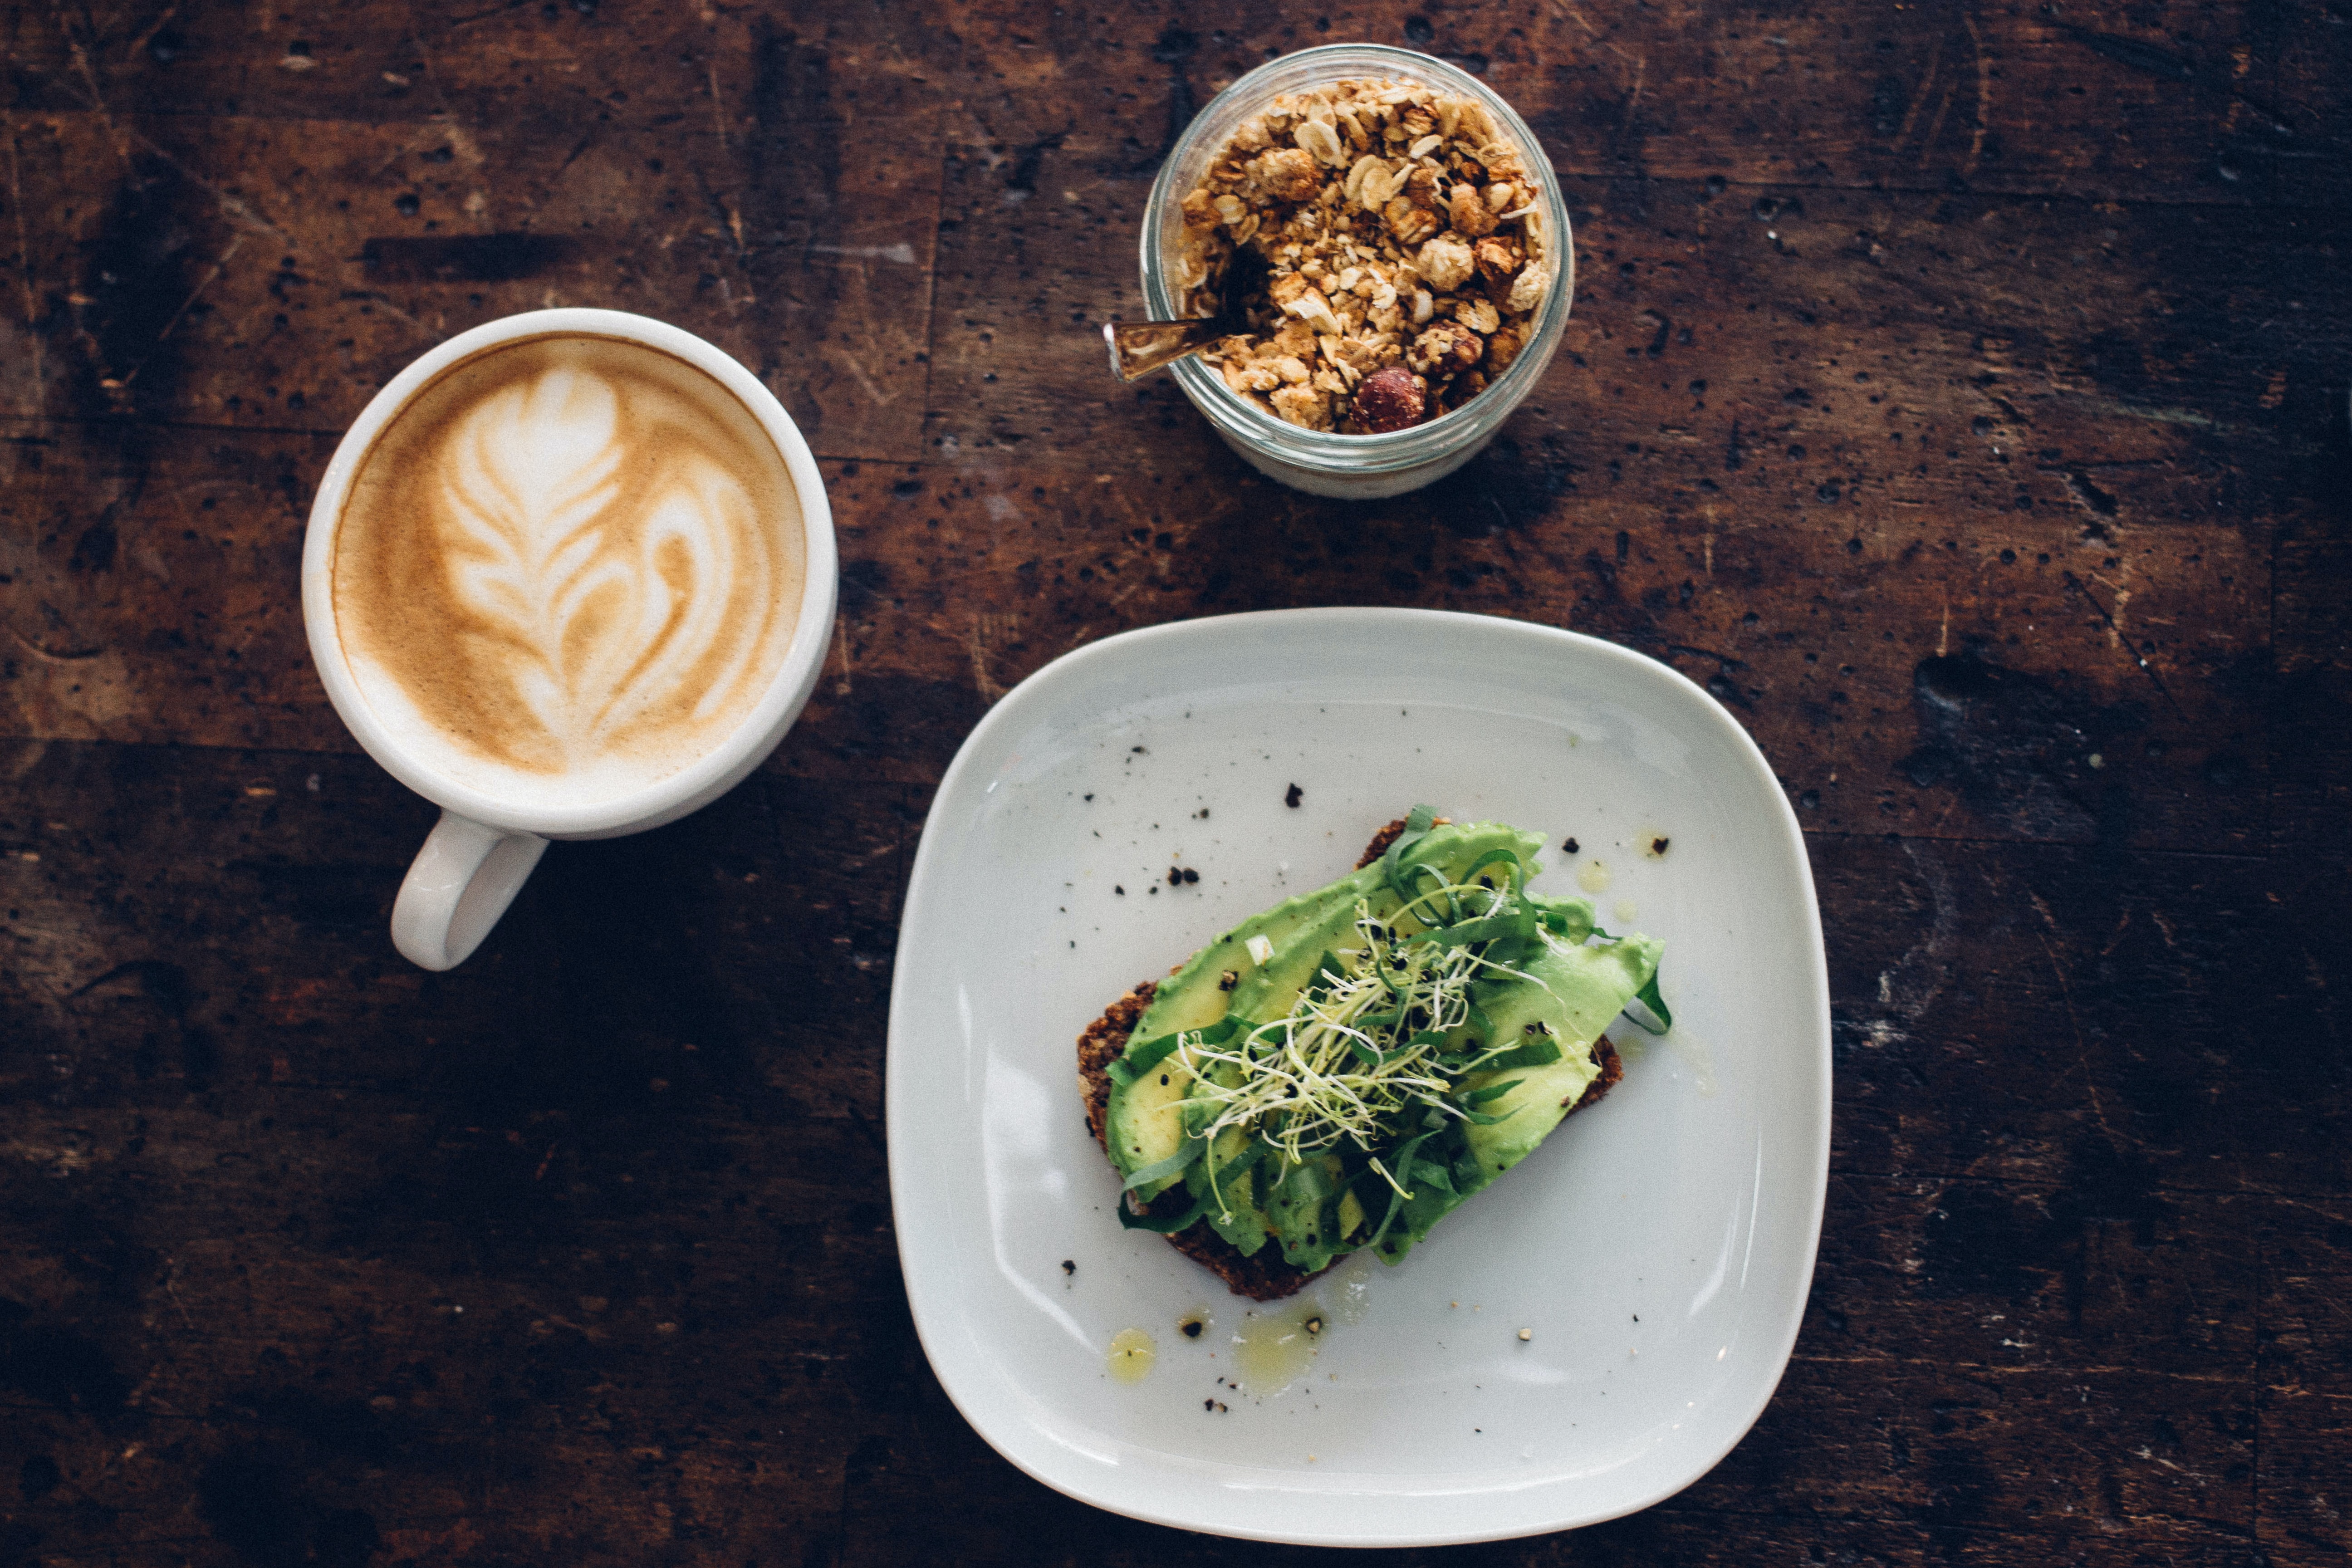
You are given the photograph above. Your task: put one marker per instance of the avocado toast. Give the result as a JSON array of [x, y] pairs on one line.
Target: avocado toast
[[1341, 1071]]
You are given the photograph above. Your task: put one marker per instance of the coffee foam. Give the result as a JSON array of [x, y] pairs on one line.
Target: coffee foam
[[569, 568]]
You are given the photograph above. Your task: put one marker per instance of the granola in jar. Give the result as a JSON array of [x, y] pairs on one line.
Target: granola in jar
[[1406, 249]]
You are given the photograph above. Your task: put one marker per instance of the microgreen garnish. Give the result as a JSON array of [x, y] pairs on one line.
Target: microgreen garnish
[[1365, 1043]]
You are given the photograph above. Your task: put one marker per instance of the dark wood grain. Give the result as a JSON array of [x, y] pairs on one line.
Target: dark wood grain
[[1958, 393]]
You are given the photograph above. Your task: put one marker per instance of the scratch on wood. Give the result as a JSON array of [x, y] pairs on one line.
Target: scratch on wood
[[2067, 994], [2189, 417], [97, 98], [73, 656], [1911, 987], [1573, 14], [1935, 126], [718, 115], [384, 302], [226, 202], [462, 141], [900, 255], [206, 282], [1927, 86], [1984, 91], [2117, 609], [985, 683], [171, 1271], [2125, 643], [418, 141], [2337, 1216], [25, 270], [28, 756], [2114, 938], [859, 863], [468, 21], [157, 26], [841, 636], [1944, 633], [722, 208], [849, 362]]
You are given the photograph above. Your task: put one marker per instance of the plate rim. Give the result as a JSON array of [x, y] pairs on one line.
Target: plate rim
[[1007, 712]]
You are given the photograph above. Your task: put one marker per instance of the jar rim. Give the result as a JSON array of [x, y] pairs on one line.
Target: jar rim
[[1384, 451]]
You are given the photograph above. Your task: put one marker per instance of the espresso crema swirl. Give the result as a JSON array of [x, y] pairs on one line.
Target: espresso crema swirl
[[568, 568]]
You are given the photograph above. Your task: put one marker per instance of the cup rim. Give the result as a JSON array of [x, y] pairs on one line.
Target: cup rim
[[745, 745], [1385, 451]]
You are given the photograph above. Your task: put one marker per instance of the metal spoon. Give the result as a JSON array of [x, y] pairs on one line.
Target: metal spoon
[[1139, 348]]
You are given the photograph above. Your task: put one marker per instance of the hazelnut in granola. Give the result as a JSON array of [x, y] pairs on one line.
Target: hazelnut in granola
[[1399, 229]]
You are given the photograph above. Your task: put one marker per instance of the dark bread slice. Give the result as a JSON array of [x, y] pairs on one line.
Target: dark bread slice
[[1263, 1277]]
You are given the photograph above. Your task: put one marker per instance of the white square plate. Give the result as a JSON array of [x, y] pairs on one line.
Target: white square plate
[[1657, 1248]]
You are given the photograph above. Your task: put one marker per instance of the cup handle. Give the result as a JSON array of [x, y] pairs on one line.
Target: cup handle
[[462, 881]]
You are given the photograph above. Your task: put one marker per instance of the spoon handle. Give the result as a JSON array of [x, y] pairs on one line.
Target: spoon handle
[[1139, 348]]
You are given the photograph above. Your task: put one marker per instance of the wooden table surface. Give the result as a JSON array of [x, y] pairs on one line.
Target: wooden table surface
[[1956, 390]]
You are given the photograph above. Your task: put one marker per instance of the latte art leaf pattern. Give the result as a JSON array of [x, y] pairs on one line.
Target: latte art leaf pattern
[[574, 570], [612, 610]]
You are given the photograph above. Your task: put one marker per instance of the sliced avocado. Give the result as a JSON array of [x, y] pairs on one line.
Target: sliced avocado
[[1588, 986], [1144, 1122], [1233, 1214], [1302, 1201], [1351, 1213], [1581, 990]]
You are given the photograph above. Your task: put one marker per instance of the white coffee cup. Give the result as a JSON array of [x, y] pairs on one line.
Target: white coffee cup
[[478, 853]]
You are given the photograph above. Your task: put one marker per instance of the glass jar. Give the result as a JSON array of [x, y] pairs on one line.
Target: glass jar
[[1324, 462]]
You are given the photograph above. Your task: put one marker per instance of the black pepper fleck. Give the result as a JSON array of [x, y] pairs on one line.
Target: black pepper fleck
[[1292, 799], [1568, 846], [1069, 1266]]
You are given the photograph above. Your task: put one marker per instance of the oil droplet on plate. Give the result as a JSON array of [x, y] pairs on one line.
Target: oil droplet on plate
[[1131, 1355], [1594, 878], [1274, 1348], [1626, 912]]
